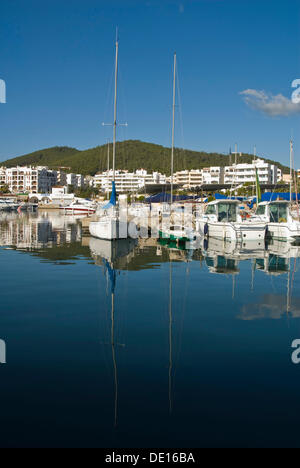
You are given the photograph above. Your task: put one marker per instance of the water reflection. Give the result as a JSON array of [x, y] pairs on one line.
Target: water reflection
[[39, 230], [153, 344]]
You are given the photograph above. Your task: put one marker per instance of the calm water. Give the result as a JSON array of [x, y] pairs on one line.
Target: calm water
[[145, 346]]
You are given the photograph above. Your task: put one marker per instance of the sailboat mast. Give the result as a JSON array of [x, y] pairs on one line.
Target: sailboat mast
[[235, 163], [291, 170], [173, 128], [115, 108], [256, 176], [108, 169], [107, 155]]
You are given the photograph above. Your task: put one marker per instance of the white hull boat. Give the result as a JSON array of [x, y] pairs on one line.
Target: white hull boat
[[109, 228], [80, 206], [222, 220], [111, 224], [279, 221]]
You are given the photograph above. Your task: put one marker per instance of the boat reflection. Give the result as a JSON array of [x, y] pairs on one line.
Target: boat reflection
[[272, 258], [113, 256], [117, 253]]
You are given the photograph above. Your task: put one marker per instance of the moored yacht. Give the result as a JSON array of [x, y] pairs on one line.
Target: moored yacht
[[112, 223], [80, 206], [222, 220], [279, 221]]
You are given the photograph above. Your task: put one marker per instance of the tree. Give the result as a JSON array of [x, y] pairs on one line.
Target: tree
[[87, 192], [4, 189]]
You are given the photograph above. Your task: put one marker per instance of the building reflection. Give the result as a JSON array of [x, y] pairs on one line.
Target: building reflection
[[35, 231]]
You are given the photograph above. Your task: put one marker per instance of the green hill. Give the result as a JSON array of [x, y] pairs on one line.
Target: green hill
[[130, 154]]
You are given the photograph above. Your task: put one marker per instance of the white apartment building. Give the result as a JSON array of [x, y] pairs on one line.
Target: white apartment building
[[72, 179], [189, 179], [239, 174], [61, 178], [242, 173], [127, 181], [79, 180], [197, 177], [2, 176], [29, 179], [213, 175]]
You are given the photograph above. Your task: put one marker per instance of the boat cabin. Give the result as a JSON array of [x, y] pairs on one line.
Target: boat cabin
[[223, 211], [274, 212]]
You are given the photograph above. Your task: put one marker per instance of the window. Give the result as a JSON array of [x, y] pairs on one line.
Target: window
[[278, 213], [282, 213], [274, 213], [211, 209], [227, 212], [261, 210]]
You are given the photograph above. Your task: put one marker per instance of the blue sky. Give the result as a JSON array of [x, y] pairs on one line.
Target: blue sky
[[57, 60]]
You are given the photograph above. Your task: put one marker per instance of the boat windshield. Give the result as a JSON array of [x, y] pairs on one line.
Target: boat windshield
[[278, 213], [211, 209], [261, 210], [227, 212]]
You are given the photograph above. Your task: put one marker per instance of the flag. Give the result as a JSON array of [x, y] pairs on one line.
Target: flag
[[258, 189]]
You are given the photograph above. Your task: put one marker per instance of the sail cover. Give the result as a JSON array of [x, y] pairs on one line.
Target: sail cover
[[113, 199]]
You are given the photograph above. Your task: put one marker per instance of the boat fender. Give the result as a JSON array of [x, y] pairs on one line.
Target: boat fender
[[267, 233], [205, 244], [206, 229]]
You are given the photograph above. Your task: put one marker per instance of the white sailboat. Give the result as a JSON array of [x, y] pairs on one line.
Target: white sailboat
[[171, 229], [112, 223]]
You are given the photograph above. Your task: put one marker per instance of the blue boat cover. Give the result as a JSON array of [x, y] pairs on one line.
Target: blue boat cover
[[113, 199], [271, 196]]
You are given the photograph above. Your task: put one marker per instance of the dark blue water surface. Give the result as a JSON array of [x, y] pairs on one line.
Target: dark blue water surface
[[195, 353]]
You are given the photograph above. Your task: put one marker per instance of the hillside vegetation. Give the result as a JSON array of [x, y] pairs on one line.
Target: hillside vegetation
[[130, 154]]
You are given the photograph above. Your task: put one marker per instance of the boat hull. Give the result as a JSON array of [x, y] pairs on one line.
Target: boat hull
[[109, 229], [175, 238], [283, 232], [232, 232], [78, 210]]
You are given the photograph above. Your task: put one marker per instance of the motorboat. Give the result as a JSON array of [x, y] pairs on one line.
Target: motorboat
[[278, 219], [80, 206], [223, 220]]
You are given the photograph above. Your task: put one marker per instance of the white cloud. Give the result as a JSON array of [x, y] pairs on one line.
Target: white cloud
[[269, 104]]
